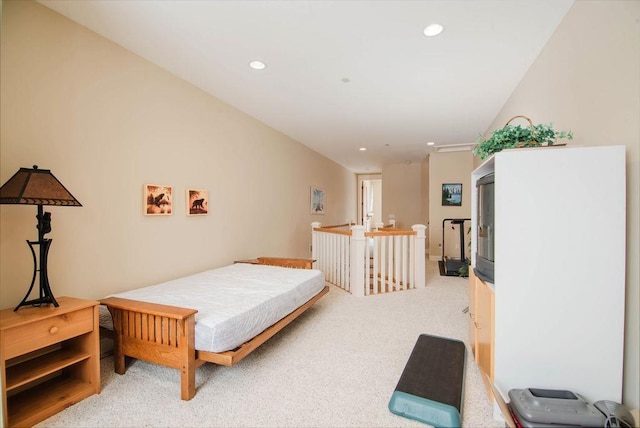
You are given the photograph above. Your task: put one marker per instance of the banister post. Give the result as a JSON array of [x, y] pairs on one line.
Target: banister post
[[314, 241], [356, 270], [379, 226], [420, 254]]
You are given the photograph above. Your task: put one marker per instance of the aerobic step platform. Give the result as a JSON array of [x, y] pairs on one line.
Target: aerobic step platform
[[431, 387]]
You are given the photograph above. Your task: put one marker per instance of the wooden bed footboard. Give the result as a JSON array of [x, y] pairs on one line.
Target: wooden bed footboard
[[156, 333]]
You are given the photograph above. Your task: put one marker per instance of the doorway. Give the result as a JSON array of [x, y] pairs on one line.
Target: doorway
[[370, 202]]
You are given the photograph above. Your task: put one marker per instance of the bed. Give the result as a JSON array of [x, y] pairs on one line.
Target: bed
[[218, 316]]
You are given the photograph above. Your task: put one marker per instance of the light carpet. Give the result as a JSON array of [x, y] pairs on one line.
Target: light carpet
[[335, 366]]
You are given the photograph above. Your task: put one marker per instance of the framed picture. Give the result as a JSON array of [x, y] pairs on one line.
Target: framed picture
[[452, 195], [158, 200], [317, 200], [197, 202]]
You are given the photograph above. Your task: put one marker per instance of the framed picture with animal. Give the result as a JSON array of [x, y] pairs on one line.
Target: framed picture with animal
[[158, 200], [197, 202], [317, 200]]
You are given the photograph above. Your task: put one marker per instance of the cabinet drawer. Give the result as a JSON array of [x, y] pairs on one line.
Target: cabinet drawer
[[45, 332]]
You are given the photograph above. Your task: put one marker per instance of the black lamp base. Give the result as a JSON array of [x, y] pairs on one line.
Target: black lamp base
[[46, 296], [46, 300]]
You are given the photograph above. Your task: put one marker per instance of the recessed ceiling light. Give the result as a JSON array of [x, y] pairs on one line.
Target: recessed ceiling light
[[257, 65], [433, 30], [363, 149], [431, 143]]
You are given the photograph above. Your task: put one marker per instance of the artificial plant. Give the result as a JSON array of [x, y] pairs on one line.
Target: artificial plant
[[515, 136]]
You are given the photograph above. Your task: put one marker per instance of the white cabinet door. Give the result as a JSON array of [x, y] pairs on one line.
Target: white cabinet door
[[560, 269]]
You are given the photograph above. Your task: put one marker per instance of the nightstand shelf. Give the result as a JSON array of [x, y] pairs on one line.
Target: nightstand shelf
[[35, 405], [39, 367], [49, 359]]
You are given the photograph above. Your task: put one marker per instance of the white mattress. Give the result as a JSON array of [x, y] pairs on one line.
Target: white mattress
[[235, 303]]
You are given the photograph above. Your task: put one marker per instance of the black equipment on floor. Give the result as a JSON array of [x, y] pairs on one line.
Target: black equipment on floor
[[450, 266], [431, 387]]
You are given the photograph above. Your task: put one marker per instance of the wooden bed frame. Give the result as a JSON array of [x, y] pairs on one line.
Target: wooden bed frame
[[165, 334]]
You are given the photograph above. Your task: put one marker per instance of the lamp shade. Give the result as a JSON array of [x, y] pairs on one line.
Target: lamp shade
[[33, 186]]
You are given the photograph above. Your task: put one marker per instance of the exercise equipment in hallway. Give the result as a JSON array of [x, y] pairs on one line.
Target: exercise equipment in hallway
[[450, 266], [431, 386]]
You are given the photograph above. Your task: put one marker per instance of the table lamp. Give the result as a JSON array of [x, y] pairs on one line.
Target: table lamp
[[33, 186]]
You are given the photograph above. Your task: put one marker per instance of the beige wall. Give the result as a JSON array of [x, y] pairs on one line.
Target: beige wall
[[452, 167], [402, 193], [587, 79], [106, 122]]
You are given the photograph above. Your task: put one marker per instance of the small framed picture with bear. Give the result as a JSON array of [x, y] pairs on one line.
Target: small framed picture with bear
[[197, 202]]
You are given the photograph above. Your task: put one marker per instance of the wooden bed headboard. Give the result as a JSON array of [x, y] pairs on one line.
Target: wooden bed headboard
[[281, 261], [290, 263]]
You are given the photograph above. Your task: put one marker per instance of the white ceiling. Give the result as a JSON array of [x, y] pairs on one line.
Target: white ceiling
[[404, 89]]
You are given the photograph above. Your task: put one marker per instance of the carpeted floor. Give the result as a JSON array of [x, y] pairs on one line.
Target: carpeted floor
[[335, 366]]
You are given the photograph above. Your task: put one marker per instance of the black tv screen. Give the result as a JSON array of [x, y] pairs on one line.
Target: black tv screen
[[485, 228]]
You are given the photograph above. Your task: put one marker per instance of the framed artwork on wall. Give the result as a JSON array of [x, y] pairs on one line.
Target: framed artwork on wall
[[197, 202], [452, 194], [317, 200], [158, 200]]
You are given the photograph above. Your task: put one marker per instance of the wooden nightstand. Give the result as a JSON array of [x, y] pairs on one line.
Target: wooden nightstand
[[49, 357]]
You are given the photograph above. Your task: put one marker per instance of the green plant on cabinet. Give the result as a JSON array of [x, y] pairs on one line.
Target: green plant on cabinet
[[516, 136]]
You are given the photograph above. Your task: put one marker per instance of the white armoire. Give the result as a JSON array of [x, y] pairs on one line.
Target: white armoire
[[559, 268]]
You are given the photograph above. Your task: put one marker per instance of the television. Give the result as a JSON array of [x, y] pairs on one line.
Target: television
[[485, 228]]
